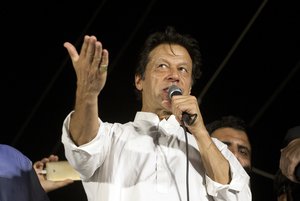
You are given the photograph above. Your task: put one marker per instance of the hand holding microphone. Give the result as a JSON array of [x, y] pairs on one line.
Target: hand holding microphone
[[189, 119]]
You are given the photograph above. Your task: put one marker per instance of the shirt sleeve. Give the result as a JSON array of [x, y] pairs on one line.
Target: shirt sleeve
[[87, 158], [239, 187]]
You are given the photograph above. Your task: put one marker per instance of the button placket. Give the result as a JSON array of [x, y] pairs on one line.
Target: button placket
[[164, 178]]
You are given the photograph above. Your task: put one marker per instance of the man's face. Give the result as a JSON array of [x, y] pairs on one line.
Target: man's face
[[168, 64], [237, 142]]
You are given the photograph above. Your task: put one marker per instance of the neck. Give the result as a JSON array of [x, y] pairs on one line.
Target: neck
[[162, 114]]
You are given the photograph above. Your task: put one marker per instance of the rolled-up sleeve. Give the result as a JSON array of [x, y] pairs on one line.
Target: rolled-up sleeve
[[239, 187], [87, 158]]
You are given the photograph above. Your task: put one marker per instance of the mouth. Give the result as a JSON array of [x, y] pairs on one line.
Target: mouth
[[167, 88], [166, 93], [173, 90]]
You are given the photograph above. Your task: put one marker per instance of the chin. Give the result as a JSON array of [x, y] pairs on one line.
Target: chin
[[167, 105]]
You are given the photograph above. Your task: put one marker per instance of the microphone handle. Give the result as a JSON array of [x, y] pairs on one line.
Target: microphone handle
[[188, 118]]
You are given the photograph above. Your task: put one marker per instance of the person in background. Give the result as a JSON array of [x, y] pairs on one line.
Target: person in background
[[18, 179], [287, 180], [232, 131], [166, 153], [290, 155]]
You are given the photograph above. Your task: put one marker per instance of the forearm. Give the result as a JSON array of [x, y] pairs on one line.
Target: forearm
[[215, 164], [84, 122]]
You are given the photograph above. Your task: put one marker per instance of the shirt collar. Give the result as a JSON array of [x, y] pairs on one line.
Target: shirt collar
[[169, 124]]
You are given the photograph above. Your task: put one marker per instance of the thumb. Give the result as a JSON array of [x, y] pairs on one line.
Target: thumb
[[72, 51]]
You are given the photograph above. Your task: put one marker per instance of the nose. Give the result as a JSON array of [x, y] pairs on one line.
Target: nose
[[236, 154], [234, 151], [173, 74]]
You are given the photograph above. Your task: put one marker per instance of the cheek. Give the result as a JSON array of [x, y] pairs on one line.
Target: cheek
[[244, 162], [158, 74], [155, 81]]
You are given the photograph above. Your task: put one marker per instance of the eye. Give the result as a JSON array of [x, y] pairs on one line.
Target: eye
[[162, 66], [244, 152], [183, 69]]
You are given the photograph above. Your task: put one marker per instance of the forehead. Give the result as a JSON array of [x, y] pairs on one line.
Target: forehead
[[173, 51], [231, 135]]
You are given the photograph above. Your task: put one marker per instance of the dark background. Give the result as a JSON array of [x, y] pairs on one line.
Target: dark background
[[250, 69]]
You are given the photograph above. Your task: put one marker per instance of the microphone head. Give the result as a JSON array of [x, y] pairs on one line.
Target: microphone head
[[174, 90]]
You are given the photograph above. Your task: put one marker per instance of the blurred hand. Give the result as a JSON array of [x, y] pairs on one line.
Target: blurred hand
[[289, 159], [46, 184]]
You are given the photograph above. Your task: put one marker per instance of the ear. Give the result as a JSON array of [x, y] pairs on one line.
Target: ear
[[139, 82], [190, 90]]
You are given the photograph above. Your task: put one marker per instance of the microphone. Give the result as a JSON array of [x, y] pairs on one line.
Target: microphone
[[187, 118]]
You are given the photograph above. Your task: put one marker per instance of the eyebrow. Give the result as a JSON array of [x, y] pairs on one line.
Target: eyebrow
[[239, 146], [244, 147]]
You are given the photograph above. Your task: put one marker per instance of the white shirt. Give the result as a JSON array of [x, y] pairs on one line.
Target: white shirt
[[145, 160]]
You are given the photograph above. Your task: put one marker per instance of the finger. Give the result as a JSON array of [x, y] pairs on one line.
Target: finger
[[45, 160], [53, 158], [64, 182], [104, 62], [105, 57], [282, 162], [60, 184], [90, 50], [38, 165], [72, 51], [85, 45], [97, 57], [103, 68]]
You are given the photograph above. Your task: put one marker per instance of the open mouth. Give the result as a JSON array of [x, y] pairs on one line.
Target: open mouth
[[166, 93]]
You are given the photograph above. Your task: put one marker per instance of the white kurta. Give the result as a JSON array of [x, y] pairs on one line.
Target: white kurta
[[145, 160]]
